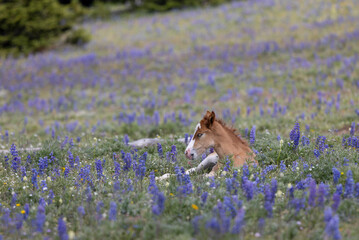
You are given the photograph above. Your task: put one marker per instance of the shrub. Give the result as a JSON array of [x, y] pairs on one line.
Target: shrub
[[27, 26], [78, 37]]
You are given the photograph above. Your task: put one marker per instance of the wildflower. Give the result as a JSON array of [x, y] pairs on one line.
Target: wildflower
[[327, 214], [322, 193], [186, 138], [282, 166], [126, 139], [62, 230], [336, 175], [27, 210], [238, 222], [23, 212], [213, 224], [81, 211], [128, 161], [159, 204], [332, 228], [67, 171], [312, 193], [195, 224], [194, 206], [349, 185], [339, 189], [295, 135], [316, 153], [34, 178], [249, 189], [204, 197], [40, 218], [113, 211], [99, 169], [16, 160], [252, 135], [336, 201]]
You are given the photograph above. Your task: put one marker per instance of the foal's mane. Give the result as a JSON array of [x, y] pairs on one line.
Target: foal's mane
[[233, 130]]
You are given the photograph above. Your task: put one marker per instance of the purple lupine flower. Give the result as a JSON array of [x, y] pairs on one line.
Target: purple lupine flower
[[99, 206], [339, 189], [252, 135], [268, 205], [249, 189], [282, 166], [322, 193], [50, 197], [295, 135], [62, 229], [316, 153], [128, 161], [27, 210], [40, 218], [159, 204], [336, 201], [117, 168], [336, 175], [43, 186], [113, 211], [227, 166], [16, 160], [34, 178], [13, 200], [238, 222], [81, 211], [186, 138], [332, 228], [349, 185], [71, 159], [312, 193], [214, 225], [227, 201], [129, 185], [126, 139], [204, 198], [6, 158], [195, 223], [99, 169], [159, 150], [328, 214], [67, 171], [173, 153]]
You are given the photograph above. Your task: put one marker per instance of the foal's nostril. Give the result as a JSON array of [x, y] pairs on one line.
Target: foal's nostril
[[192, 155]]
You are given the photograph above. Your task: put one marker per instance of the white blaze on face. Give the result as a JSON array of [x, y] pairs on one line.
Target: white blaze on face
[[191, 143]]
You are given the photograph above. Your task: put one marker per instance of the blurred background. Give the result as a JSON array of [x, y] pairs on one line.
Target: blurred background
[[151, 68]]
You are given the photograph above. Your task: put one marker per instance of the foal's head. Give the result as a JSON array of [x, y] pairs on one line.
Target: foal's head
[[203, 137]]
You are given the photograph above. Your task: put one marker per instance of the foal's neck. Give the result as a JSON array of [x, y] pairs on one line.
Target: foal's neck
[[228, 143]]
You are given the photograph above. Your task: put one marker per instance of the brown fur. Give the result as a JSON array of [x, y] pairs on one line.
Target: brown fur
[[223, 139]]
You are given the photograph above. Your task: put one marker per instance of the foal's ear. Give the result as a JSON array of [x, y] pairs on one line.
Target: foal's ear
[[209, 119]]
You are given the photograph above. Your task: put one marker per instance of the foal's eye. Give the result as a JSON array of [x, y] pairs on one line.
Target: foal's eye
[[199, 135]]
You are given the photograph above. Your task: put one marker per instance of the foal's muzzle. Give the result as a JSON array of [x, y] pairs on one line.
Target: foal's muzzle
[[189, 155]]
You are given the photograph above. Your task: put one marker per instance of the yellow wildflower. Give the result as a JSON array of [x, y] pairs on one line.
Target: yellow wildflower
[[341, 173], [171, 194], [194, 206], [22, 211], [17, 204]]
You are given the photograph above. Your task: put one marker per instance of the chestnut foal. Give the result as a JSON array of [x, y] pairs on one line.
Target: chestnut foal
[[213, 133]]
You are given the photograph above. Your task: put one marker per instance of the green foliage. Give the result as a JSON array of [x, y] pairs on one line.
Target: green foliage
[[28, 26], [78, 37], [165, 5]]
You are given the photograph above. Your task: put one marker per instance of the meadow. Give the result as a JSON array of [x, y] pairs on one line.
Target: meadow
[[284, 73]]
